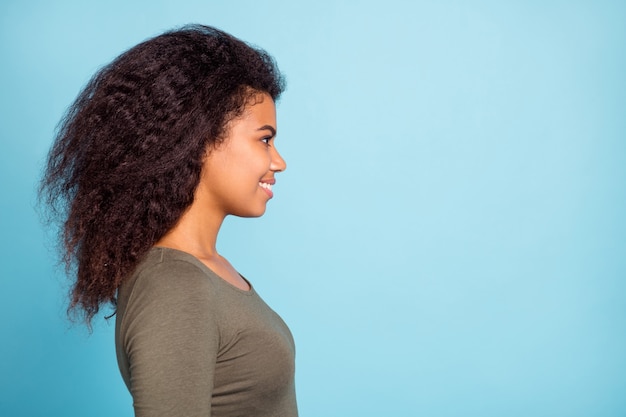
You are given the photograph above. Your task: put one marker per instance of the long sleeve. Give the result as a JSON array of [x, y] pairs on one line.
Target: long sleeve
[[191, 344], [170, 339]]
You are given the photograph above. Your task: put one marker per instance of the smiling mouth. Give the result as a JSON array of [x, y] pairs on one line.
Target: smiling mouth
[[267, 187]]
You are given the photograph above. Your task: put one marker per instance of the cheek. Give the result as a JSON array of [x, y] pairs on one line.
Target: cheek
[[259, 160]]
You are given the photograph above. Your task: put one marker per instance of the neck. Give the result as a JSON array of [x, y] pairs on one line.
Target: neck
[[195, 233]]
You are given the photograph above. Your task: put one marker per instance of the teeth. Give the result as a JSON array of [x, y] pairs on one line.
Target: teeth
[[266, 185]]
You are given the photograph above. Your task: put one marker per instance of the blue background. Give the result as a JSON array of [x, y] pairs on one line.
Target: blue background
[[449, 237]]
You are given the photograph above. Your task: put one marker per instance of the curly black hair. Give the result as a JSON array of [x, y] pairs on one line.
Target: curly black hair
[[127, 155]]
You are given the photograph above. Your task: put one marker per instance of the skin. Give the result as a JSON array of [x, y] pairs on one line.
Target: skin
[[230, 185]]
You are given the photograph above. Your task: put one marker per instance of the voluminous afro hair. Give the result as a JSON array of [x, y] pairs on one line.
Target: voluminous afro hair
[[128, 153]]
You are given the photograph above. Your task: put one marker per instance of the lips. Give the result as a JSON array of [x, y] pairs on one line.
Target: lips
[[267, 186]]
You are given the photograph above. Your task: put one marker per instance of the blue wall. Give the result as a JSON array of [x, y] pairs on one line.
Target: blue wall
[[449, 237]]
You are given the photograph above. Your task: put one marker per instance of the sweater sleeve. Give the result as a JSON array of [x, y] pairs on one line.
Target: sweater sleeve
[[170, 337]]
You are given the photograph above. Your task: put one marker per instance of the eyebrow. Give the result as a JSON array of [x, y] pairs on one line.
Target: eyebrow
[[270, 128]]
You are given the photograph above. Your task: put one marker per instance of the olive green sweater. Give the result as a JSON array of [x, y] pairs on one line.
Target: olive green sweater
[[190, 344]]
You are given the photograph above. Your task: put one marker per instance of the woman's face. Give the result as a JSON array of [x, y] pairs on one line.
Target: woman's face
[[238, 174]]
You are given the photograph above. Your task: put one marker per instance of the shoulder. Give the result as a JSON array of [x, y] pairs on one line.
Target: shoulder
[[168, 282], [168, 270]]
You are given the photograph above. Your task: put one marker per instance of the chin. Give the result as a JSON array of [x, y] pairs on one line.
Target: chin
[[251, 214]]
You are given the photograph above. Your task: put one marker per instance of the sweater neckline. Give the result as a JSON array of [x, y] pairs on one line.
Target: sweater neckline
[[180, 253]]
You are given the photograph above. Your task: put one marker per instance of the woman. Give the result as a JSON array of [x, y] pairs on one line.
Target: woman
[[161, 145]]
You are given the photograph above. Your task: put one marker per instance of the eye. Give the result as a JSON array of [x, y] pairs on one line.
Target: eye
[[267, 140]]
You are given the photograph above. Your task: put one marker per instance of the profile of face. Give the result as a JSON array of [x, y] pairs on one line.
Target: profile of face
[[238, 174]]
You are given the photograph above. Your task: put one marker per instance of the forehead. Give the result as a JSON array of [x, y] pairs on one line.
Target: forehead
[[260, 107], [259, 115]]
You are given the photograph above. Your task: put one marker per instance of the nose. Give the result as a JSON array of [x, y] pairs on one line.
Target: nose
[[277, 164]]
